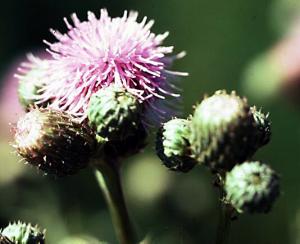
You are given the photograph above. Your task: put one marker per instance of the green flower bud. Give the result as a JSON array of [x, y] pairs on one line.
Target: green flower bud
[[262, 126], [173, 145], [21, 233], [54, 142], [252, 187], [114, 113], [5, 240], [30, 85], [222, 128]]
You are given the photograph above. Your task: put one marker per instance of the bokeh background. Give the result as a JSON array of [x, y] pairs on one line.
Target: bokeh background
[[223, 40]]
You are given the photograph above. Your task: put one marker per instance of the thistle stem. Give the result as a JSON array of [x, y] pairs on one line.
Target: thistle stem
[[108, 177], [224, 221]]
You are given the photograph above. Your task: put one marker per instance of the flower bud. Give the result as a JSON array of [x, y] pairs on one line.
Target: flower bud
[[252, 187], [222, 129], [114, 113], [52, 141], [22, 233], [173, 145], [30, 84]]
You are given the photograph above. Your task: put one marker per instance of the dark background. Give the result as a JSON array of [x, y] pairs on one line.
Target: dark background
[[220, 38]]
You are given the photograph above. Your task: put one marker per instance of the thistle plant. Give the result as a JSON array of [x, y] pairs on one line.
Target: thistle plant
[[223, 134], [88, 104]]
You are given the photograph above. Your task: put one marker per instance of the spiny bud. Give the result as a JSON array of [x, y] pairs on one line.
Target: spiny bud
[[173, 145], [5, 240], [22, 233], [252, 187], [114, 113], [222, 128], [30, 84], [52, 141], [262, 126]]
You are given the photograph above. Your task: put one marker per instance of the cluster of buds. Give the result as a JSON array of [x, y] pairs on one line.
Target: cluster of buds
[[58, 143], [223, 134], [91, 97], [22, 233]]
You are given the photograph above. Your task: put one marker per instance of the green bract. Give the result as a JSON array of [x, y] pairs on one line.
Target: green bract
[[252, 187], [222, 128], [173, 146], [262, 126], [114, 113], [21, 233], [54, 142], [29, 86]]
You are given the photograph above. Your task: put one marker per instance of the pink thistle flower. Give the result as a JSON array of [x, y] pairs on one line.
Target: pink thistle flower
[[103, 51]]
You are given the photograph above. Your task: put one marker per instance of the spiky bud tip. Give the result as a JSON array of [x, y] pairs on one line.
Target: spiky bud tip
[[262, 126], [54, 142], [222, 126], [173, 145], [114, 113], [22, 233], [252, 187]]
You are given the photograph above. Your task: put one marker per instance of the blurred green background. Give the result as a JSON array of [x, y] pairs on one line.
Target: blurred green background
[[221, 38]]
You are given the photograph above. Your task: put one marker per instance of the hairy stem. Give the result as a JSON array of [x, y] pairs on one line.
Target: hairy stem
[[224, 221], [109, 181]]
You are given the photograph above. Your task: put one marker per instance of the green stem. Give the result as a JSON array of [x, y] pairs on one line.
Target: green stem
[[109, 181], [224, 221]]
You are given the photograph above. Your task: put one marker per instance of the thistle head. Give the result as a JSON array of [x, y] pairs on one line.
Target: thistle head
[[221, 130], [173, 145], [22, 233], [54, 142], [220, 110], [252, 187], [114, 113], [99, 52]]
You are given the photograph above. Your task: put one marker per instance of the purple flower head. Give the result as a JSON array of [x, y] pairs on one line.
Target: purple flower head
[[101, 51]]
